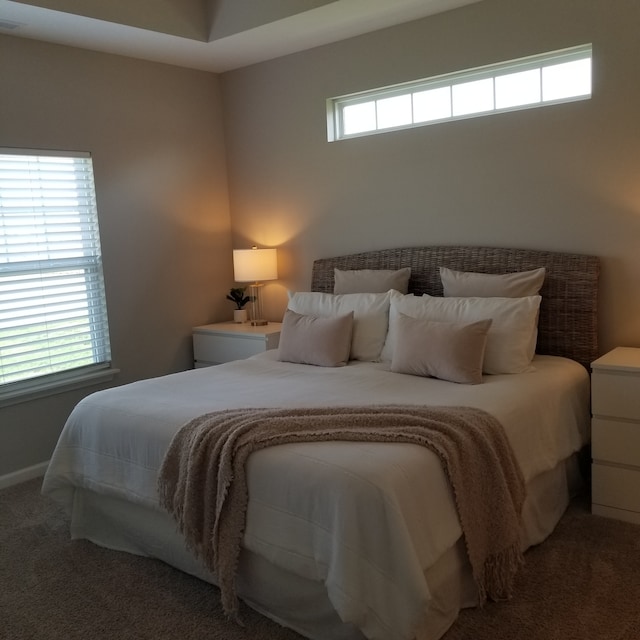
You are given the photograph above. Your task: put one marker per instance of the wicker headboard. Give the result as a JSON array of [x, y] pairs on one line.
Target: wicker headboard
[[568, 313]]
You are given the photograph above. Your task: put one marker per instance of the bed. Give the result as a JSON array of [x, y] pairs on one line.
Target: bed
[[347, 540]]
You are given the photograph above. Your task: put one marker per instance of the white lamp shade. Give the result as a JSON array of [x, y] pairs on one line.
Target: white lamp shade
[[255, 265]]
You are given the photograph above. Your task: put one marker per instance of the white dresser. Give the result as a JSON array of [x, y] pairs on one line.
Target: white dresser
[[615, 434], [226, 341]]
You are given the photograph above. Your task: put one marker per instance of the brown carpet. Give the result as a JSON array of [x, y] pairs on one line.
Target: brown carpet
[[582, 583]]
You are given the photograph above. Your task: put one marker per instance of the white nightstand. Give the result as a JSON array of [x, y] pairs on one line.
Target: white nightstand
[[226, 341], [615, 435]]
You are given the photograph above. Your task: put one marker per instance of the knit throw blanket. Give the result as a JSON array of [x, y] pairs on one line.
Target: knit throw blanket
[[203, 483]]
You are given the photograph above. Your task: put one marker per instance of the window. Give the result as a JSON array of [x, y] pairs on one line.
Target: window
[[549, 78], [53, 318]]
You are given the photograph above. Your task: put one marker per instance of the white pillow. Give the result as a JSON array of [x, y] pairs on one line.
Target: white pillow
[[511, 341], [370, 316], [371, 280], [486, 285]]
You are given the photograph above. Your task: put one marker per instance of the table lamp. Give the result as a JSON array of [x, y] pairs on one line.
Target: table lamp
[[255, 265]]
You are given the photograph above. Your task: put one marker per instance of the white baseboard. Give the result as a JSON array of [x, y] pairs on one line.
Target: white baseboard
[[22, 475]]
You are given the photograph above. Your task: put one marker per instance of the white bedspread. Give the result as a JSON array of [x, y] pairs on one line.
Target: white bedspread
[[365, 519]]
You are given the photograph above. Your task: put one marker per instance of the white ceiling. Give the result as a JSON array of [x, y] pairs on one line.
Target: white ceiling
[[332, 22]]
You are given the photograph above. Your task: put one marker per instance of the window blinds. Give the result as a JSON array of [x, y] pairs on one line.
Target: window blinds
[[53, 315]]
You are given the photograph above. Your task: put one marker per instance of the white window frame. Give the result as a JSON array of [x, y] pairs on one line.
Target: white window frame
[[336, 106], [50, 276]]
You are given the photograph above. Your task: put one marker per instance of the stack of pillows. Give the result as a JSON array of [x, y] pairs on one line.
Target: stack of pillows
[[485, 323]]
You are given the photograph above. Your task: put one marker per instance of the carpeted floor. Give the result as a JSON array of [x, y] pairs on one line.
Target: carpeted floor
[[582, 583]]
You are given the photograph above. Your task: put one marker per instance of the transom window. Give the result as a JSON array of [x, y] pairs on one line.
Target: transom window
[[53, 316], [548, 78]]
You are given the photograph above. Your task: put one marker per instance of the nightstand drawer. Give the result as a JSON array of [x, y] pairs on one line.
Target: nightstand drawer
[[615, 441], [616, 395], [226, 341], [220, 349], [617, 487]]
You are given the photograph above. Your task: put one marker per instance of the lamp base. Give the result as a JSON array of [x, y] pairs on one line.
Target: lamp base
[[259, 323]]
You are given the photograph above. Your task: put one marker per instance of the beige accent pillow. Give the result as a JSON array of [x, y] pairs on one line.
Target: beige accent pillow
[[511, 341], [490, 285], [446, 350], [370, 316], [371, 280], [323, 341]]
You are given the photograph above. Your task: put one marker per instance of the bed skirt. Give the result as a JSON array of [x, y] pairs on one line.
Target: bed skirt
[[299, 603]]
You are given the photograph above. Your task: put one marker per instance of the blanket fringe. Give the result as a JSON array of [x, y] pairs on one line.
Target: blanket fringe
[[498, 575]]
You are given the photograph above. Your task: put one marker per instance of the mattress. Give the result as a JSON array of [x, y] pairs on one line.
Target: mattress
[[367, 531]]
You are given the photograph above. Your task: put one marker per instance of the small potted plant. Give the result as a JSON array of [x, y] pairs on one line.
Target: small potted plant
[[236, 295]]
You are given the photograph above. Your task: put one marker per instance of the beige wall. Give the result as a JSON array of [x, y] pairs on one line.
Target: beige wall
[[155, 135], [560, 177]]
